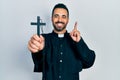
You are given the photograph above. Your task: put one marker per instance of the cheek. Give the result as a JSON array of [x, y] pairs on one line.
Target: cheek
[[54, 20], [66, 21]]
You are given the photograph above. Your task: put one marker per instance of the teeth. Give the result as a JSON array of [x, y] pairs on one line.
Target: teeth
[[59, 24]]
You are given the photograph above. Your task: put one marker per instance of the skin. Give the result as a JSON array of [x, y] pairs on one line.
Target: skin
[[59, 20]]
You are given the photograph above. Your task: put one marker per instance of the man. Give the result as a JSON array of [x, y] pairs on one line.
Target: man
[[60, 55]]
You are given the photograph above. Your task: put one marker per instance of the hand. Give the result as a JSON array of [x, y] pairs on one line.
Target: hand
[[75, 34], [36, 43]]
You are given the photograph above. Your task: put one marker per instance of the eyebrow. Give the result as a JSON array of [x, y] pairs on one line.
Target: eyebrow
[[58, 15]]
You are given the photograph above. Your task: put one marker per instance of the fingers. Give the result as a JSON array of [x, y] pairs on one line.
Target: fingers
[[75, 34], [41, 38], [35, 37], [75, 26], [32, 48], [36, 43], [75, 31]]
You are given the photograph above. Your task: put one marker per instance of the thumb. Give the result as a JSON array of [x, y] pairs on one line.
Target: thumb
[[41, 38]]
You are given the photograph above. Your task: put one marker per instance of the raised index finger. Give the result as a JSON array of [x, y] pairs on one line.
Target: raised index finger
[[75, 26]]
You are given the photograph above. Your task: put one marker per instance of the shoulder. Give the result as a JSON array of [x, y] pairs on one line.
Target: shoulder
[[46, 34]]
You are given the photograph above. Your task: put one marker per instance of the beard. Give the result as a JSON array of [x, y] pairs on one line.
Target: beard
[[58, 28]]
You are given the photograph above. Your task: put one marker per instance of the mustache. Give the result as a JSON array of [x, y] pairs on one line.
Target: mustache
[[60, 22]]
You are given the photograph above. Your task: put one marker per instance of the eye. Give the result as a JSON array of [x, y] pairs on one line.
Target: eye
[[64, 16], [55, 16]]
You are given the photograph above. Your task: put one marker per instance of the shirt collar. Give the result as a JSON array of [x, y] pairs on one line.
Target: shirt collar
[[59, 35]]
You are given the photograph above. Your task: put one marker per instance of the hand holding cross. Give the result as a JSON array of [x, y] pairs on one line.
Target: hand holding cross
[[37, 42]]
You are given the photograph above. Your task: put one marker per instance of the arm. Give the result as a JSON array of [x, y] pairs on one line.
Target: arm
[[38, 61], [36, 45], [86, 55]]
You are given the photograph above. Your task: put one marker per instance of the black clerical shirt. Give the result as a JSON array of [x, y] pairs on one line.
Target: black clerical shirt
[[62, 58]]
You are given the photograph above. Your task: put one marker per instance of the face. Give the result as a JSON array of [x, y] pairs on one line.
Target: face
[[60, 19]]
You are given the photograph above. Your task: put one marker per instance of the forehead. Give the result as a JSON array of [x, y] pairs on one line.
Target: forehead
[[61, 11]]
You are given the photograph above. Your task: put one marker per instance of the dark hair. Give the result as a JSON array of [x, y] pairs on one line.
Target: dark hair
[[60, 5]]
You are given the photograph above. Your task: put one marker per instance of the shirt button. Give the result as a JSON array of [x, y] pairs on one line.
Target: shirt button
[[60, 60], [59, 76], [61, 53]]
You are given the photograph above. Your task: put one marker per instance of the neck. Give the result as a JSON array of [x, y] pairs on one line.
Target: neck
[[60, 32]]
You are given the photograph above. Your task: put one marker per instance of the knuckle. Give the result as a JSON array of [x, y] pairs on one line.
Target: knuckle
[[34, 42]]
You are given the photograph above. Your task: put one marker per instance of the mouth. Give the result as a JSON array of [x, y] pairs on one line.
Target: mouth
[[59, 24]]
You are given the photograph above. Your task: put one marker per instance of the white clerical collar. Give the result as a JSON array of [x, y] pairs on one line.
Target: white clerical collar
[[60, 35]]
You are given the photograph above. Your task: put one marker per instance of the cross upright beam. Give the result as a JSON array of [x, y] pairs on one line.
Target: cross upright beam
[[38, 23]]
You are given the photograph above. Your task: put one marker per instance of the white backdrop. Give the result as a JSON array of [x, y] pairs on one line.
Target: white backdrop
[[98, 22]]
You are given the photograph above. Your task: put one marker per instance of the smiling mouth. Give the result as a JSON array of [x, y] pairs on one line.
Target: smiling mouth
[[59, 24]]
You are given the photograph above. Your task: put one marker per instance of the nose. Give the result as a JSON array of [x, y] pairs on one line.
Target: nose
[[59, 19]]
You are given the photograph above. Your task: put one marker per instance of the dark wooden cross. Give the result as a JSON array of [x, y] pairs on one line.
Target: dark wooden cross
[[38, 23]]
